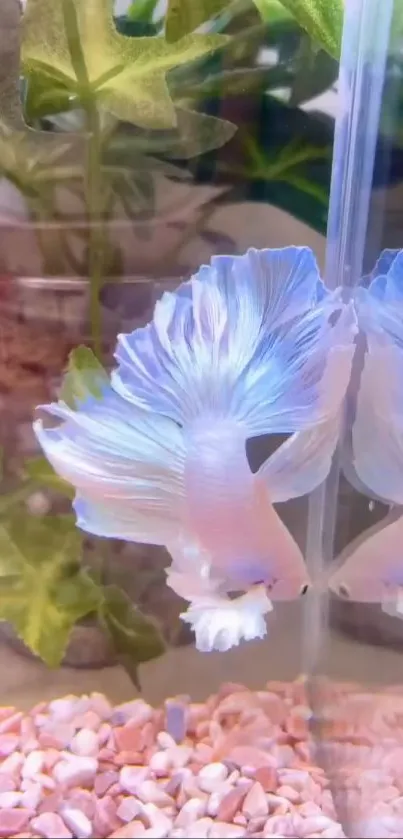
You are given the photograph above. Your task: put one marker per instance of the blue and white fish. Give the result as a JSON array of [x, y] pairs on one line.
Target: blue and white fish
[[251, 345], [373, 571]]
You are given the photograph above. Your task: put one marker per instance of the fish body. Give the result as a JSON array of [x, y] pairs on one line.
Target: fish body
[[251, 345], [371, 569]]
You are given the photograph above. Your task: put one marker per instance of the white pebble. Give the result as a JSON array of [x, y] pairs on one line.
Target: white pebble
[[150, 791], [199, 829], [10, 799], [193, 810], [223, 830], [63, 710], [12, 763], [33, 764], [214, 803], [77, 822], [85, 743], [76, 772], [165, 741], [158, 820], [211, 775], [32, 797], [316, 824], [132, 777], [160, 763], [129, 808], [180, 756]]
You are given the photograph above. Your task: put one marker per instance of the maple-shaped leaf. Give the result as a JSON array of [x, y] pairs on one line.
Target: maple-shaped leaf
[[35, 161], [322, 19], [43, 590], [84, 377], [136, 638], [76, 42], [183, 16], [39, 470]]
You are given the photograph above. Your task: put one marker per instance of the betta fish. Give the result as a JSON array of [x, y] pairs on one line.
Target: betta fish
[[251, 345], [373, 571]]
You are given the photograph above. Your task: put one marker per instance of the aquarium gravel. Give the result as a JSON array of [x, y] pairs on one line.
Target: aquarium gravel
[[239, 764]]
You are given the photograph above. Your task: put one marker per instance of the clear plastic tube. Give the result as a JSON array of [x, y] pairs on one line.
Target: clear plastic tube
[[364, 53]]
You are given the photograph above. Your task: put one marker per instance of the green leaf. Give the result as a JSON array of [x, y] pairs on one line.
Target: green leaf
[[142, 10], [135, 637], [322, 19], [273, 11], [84, 377], [43, 590], [127, 75], [184, 16], [40, 471]]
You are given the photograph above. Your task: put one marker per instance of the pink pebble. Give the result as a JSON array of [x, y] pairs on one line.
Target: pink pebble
[[231, 803], [8, 744], [101, 706], [56, 736], [137, 711], [129, 738], [250, 756], [7, 783], [105, 819], [51, 803], [255, 803], [129, 808], [104, 781], [7, 712], [84, 800], [90, 719], [104, 733], [290, 793], [13, 821], [11, 723], [12, 764], [129, 831], [51, 826]]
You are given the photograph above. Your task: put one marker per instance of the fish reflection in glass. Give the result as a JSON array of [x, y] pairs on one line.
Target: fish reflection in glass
[[252, 345], [373, 569]]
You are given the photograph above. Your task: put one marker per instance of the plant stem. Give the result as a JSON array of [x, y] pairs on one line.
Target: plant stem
[[94, 204]]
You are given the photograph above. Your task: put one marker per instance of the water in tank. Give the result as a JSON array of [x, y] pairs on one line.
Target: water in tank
[[200, 350]]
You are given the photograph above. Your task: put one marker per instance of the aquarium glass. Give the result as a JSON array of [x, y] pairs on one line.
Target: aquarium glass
[[201, 347], [355, 516]]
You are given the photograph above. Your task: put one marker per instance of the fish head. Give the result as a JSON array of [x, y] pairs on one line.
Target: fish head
[[373, 569]]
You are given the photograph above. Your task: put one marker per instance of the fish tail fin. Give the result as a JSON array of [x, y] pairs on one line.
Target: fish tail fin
[[245, 338]]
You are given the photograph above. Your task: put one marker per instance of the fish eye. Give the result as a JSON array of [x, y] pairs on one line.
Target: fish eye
[[304, 590], [343, 591]]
